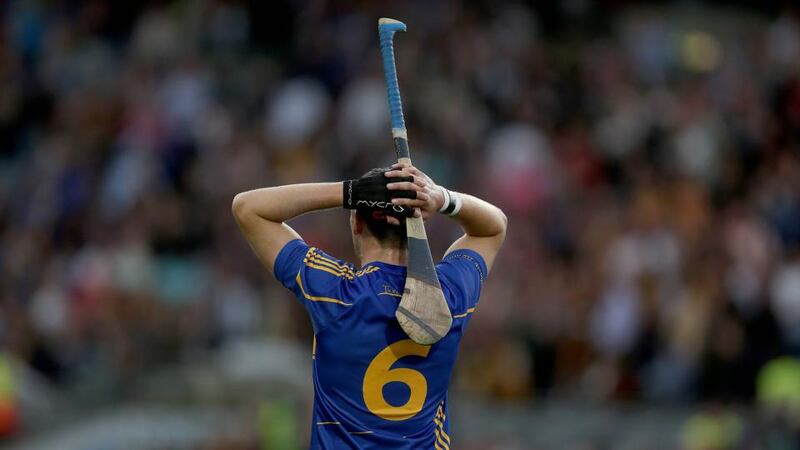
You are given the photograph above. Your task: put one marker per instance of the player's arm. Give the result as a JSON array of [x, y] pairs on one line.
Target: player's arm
[[261, 214], [484, 224], [484, 228]]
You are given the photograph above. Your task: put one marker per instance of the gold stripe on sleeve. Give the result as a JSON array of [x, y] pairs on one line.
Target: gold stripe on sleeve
[[349, 276], [315, 261], [315, 254], [326, 262]]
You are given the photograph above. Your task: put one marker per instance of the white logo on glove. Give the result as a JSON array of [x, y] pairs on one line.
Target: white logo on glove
[[382, 205]]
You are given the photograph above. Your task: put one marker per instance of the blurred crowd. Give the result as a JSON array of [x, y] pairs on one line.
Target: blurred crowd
[[648, 160]]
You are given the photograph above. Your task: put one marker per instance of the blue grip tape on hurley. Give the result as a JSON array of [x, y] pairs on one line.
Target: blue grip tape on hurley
[[386, 31]]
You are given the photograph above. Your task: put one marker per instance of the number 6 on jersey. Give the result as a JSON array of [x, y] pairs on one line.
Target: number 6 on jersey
[[380, 373]]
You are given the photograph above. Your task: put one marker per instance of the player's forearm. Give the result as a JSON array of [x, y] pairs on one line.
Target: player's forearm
[[480, 218], [281, 203]]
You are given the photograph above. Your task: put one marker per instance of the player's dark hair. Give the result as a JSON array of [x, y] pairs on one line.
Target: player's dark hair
[[386, 233]]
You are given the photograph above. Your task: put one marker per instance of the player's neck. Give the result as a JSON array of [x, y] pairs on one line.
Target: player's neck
[[396, 256]]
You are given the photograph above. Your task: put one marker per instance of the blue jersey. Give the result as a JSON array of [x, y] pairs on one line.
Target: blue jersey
[[374, 388]]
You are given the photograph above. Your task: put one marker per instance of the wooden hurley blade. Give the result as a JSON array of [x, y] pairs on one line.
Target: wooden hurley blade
[[423, 312]]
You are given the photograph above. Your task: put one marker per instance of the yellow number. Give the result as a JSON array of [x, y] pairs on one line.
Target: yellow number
[[380, 372]]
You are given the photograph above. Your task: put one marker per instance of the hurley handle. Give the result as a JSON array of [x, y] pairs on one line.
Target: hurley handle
[[386, 30]]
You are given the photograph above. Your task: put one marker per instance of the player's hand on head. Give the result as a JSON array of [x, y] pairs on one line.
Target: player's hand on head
[[369, 193], [429, 195]]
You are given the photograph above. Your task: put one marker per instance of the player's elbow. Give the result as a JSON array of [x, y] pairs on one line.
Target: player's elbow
[[502, 223], [240, 207]]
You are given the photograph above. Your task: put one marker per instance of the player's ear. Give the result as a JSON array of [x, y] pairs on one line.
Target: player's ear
[[356, 223]]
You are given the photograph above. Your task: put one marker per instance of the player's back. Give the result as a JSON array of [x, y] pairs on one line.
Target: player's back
[[373, 386]]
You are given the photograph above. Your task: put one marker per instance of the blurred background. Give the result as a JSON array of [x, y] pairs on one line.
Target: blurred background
[[648, 158]]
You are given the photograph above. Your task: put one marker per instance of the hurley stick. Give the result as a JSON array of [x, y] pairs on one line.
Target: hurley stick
[[423, 312]]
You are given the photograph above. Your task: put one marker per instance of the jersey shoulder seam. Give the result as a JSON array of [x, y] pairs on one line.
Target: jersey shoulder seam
[[469, 258]]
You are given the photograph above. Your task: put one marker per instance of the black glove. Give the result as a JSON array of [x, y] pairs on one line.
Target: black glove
[[371, 193]]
